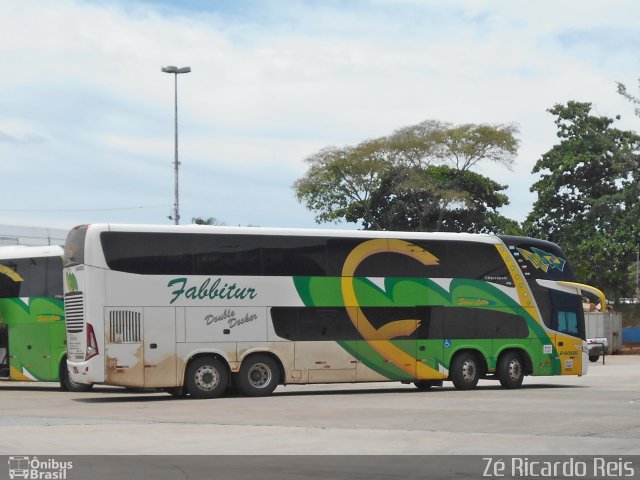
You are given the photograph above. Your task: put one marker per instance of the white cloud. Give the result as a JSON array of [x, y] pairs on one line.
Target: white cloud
[[272, 83]]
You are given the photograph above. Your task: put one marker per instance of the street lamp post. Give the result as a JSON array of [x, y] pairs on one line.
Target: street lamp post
[[176, 71]]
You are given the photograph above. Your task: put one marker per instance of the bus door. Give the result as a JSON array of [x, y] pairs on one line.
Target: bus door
[[568, 322], [4, 351], [397, 345], [430, 343], [159, 346]]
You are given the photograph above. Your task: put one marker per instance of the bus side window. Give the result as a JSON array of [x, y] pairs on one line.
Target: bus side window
[[434, 326], [289, 257], [53, 278], [567, 322], [313, 324], [8, 287], [567, 309], [465, 322], [32, 278]]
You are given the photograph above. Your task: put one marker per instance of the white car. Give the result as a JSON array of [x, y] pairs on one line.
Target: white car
[[597, 346]]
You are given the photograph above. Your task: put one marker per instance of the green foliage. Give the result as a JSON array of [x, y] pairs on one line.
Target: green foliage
[[437, 198], [622, 90], [466, 145], [630, 314], [418, 178], [588, 196], [207, 221], [342, 179]]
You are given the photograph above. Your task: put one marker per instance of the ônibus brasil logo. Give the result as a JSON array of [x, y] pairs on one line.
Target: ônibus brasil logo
[[36, 469]]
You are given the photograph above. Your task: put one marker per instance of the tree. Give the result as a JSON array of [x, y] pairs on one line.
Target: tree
[[443, 199], [460, 146], [340, 180], [417, 145], [417, 178], [622, 90], [207, 221], [467, 145], [588, 196]]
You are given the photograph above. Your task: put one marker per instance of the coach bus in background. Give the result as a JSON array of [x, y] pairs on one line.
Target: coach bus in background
[[32, 329], [196, 309]]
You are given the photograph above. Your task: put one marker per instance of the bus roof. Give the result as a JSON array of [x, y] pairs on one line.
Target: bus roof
[[24, 251], [302, 232]]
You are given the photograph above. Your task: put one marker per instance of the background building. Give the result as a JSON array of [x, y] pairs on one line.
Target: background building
[[20, 235]]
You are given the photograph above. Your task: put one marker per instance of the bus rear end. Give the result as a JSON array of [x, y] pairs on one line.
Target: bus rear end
[[84, 359]]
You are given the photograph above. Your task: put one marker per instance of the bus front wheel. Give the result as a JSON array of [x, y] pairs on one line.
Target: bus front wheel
[[207, 377], [465, 371], [427, 384], [510, 370], [259, 376]]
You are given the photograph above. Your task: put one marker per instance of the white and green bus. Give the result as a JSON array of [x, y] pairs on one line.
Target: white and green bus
[[196, 309], [32, 329]]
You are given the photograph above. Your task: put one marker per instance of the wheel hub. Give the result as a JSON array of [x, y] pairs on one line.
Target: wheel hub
[[469, 371], [514, 369], [207, 378], [259, 375]]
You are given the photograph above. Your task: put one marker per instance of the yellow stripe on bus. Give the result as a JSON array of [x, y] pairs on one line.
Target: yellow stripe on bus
[[378, 339], [10, 273]]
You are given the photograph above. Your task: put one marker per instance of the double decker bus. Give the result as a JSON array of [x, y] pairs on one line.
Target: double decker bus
[[32, 329], [196, 309]]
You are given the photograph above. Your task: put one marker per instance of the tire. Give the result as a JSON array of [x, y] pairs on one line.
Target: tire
[[68, 385], [465, 371], [259, 376], [594, 358], [427, 384], [207, 377], [510, 370], [175, 392]]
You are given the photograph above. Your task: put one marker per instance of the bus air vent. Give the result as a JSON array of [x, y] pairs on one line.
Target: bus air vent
[[74, 311], [125, 326]]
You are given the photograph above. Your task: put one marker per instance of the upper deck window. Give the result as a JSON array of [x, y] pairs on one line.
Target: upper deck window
[[31, 277], [278, 255]]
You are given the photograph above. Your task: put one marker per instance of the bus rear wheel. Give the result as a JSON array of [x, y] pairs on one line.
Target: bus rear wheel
[[465, 371], [510, 370], [259, 376], [68, 385], [207, 377]]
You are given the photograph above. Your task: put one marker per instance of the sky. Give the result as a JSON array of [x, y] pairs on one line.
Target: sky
[[87, 116]]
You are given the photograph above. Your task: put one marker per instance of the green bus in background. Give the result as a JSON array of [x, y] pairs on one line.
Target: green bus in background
[[32, 326]]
